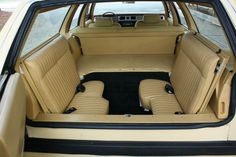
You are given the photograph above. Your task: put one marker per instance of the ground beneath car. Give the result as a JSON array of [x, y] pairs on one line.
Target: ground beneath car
[[121, 89]]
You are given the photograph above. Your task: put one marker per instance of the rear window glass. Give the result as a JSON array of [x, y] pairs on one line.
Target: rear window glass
[[147, 7], [46, 25], [75, 19], [208, 23], [181, 15]]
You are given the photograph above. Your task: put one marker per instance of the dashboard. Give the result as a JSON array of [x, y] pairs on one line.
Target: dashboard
[[126, 20]]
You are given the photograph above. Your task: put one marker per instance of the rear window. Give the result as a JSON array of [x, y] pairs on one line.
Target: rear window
[[147, 7], [181, 15], [208, 23], [75, 19], [46, 25]]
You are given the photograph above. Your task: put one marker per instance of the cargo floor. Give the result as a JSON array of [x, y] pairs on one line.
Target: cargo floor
[[121, 89]]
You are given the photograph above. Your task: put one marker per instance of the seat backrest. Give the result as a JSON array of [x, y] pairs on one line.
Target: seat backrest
[[104, 22], [192, 73], [52, 74], [151, 20], [142, 40]]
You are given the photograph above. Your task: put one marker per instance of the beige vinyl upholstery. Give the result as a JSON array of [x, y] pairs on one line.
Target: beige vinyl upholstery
[[151, 20], [128, 41], [93, 89], [53, 76], [154, 89], [191, 77], [103, 22], [165, 104], [125, 63], [90, 105], [12, 118]]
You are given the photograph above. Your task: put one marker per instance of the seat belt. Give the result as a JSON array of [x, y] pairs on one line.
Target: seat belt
[[220, 67], [77, 39], [177, 42], [29, 80], [80, 88]]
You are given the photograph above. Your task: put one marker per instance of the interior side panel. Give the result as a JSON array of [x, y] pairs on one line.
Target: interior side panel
[[12, 118]]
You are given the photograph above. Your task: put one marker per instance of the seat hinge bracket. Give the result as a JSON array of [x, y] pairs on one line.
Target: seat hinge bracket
[[169, 89]]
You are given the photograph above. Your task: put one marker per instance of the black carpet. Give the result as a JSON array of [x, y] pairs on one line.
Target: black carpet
[[121, 89]]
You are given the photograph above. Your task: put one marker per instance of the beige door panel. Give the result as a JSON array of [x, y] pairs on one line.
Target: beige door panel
[[12, 118]]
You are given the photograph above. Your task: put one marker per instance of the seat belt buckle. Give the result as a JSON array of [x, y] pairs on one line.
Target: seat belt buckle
[[80, 88], [179, 113], [169, 89], [70, 110], [218, 67]]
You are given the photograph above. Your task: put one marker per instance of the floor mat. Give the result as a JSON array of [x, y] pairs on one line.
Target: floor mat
[[121, 89]]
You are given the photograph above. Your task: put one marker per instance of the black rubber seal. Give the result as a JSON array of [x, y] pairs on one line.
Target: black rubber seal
[[130, 148]]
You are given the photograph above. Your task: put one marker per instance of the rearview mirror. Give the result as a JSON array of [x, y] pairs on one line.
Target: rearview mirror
[[128, 2]]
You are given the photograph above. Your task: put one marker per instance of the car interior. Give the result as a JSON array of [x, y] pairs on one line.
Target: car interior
[[117, 67]]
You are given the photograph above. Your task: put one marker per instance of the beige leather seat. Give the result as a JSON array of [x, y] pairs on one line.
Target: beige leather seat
[[104, 22], [52, 75], [191, 78], [151, 20]]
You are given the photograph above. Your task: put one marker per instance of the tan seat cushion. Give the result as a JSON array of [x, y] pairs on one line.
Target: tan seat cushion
[[53, 77], [166, 104], [93, 89], [89, 105], [163, 102], [191, 78], [154, 97]]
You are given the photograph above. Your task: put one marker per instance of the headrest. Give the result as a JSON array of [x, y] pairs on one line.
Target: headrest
[[152, 19], [103, 22]]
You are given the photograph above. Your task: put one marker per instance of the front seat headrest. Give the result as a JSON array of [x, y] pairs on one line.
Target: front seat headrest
[[103, 22], [152, 19]]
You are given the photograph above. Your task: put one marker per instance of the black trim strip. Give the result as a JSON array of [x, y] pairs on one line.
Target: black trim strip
[[129, 148], [3, 82]]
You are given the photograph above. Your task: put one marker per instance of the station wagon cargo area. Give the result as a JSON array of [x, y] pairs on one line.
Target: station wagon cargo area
[[111, 67], [106, 71]]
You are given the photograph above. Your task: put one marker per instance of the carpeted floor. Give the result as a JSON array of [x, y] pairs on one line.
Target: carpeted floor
[[121, 89]]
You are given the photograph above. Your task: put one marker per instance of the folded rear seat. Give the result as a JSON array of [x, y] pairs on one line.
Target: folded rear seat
[[190, 80], [52, 75]]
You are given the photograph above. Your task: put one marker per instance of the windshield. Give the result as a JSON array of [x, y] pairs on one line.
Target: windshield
[[147, 7]]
